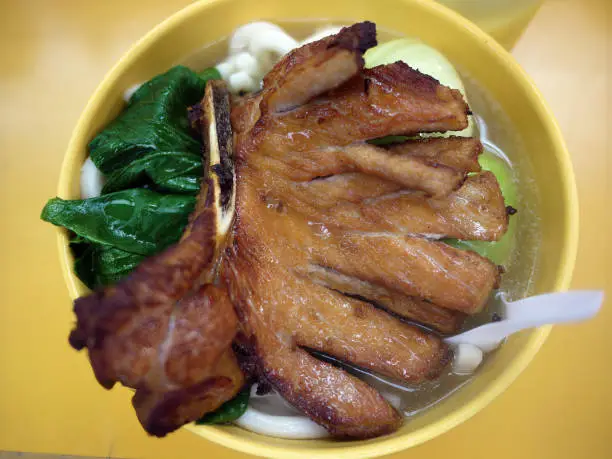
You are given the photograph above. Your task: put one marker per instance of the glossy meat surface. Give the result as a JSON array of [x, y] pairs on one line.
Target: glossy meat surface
[[459, 153], [333, 249], [133, 316], [161, 412], [411, 308], [476, 211], [306, 271], [312, 70], [409, 171], [390, 99], [271, 274]]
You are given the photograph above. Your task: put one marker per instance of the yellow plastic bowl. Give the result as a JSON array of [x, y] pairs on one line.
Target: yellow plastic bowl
[[475, 53]]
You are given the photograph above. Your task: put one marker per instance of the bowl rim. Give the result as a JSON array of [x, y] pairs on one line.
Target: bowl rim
[[382, 445]]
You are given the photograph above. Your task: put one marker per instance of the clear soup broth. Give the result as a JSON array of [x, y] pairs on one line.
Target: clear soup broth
[[499, 139]]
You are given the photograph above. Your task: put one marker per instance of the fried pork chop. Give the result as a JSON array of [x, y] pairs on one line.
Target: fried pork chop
[[334, 248], [332, 233], [165, 330]]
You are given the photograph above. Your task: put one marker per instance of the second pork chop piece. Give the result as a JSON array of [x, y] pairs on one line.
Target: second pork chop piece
[[164, 330], [300, 280]]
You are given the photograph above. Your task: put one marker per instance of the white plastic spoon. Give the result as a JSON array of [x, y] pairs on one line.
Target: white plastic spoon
[[534, 311]]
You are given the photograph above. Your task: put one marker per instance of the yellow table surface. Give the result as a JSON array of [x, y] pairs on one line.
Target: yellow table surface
[[52, 56]]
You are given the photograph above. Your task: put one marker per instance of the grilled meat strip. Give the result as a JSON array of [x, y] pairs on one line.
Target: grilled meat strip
[[268, 273], [459, 153], [196, 367], [412, 308], [311, 70], [389, 99]]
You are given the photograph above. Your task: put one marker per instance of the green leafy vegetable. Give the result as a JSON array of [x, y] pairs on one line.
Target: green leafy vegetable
[[211, 73], [151, 142], [175, 172], [98, 265], [389, 140], [138, 221], [148, 151], [155, 120], [229, 411]]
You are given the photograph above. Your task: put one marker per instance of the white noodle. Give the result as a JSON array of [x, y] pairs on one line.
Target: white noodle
[[92, 180], [253, 50], [467, 358], [129, 92]]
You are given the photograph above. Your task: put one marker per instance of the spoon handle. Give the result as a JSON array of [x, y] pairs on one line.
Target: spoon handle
[[534, 311]]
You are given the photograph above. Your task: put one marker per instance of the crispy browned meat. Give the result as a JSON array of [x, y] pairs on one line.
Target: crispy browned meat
[[412, 308], [316, 317], [360, 202], [328, 192], [164, 411], [410, 172], [300, 282], [159, 330], [345, 405], [437, 166], [454, 279], [330, 246], [140, 306], [203, 328], [195, 370], [476, 211], [312, 70], [389, 99], [459, 153], [178, 359]]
